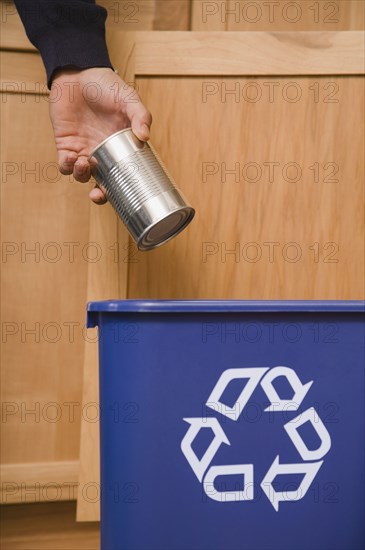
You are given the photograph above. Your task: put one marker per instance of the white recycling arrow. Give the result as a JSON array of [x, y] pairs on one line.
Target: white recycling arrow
[[252, 374], [196, 424], [275, 497], [247, 491], [310, 415], [276, 403]]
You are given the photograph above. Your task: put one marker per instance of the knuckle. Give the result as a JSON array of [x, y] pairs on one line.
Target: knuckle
[[65, 171]]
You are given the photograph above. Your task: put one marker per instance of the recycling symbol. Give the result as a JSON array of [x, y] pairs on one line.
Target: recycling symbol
[[312, 458]]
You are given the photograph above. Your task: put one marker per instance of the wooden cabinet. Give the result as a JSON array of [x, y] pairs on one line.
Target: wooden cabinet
[[263, 131], [43, 293]]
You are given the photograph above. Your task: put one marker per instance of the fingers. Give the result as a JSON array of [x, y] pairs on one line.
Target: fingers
[[79, 166], [82, 170], [97, 196], [70, 163], [66, 162]]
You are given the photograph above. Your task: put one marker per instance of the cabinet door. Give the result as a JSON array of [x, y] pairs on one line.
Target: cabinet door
[[274, 167], [45, 236]]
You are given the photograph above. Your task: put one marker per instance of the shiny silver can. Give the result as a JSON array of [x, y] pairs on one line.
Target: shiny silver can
[[140, 189]]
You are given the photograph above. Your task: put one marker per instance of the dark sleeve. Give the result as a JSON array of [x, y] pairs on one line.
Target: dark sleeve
[[67, 33]]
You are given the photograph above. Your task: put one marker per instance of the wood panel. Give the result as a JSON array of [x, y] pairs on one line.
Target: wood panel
[[56, 213], [129, 15], [253, 53], [147, 14], [42, 374], [104, 279], [281, 15], [12, 34], [208, 16], [46, 526], [37, 481], [172, 15], [22, 73], [278, 195], [43, 289], [302, 15]]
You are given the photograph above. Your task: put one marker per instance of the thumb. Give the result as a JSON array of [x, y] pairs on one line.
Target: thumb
[[141, 130], [141, 121]]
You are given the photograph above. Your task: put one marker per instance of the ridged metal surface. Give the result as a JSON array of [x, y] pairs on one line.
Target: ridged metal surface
[[134, 180]]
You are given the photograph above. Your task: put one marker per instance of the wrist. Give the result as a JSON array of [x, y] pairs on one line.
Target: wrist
[[66, 74]]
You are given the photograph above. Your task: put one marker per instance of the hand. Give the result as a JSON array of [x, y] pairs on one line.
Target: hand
[[87, 106]]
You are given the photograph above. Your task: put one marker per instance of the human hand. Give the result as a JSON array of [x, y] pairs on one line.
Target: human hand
[[86, 107]]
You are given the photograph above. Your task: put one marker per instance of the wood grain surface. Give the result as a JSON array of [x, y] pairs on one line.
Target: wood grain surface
[[22, 73], [39, 481], [301, 15], [46, 526], [45, 256], [221, 149], [104, 279], [250, 53]]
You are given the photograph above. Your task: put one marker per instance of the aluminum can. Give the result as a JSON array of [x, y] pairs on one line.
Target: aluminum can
[[140, 189]]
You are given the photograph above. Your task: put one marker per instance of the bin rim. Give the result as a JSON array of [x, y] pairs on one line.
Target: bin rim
[[224, 306]]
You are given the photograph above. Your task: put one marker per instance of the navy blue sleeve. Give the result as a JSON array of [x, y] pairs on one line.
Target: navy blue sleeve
[[67, 33]]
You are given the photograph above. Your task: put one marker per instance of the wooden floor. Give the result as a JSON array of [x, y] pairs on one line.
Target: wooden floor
[[46, 526]]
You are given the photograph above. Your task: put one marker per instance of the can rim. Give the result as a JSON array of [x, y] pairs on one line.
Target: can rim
[[107, 139], [190, 213]]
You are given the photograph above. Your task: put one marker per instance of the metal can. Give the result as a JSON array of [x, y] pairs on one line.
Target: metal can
[[140, 189]]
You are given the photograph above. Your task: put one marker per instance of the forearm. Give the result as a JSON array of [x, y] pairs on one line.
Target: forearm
[[67, 33]]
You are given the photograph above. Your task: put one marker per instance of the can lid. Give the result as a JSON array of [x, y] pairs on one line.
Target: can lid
[[166, 228]]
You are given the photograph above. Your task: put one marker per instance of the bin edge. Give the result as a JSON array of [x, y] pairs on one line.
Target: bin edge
[[214, 306]]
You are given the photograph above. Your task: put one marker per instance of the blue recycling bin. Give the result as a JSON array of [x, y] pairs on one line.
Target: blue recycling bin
[[231, 425]]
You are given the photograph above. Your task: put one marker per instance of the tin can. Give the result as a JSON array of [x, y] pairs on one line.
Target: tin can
[[139, 188]]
